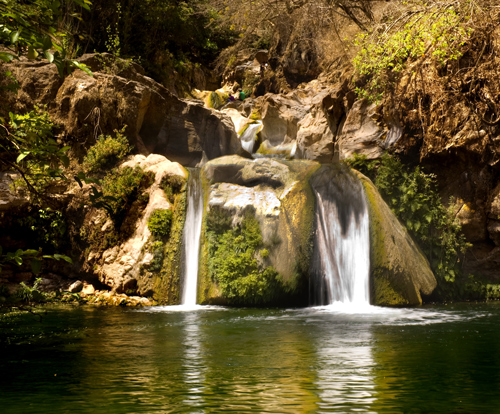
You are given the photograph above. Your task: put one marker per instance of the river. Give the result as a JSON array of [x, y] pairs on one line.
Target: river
[[435, 359]]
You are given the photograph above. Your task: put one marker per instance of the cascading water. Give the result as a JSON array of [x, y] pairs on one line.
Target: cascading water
[[248, 136], [341, 258], [191, 237]]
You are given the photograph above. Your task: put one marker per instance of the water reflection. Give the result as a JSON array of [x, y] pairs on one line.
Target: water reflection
[[193, 363], [345, 371], [213, 360]]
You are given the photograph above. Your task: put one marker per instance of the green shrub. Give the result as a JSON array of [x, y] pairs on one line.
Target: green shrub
[[106, 152], [172, 185], [124, 186], [159, 223], [437, 31], [233, 261], [30, 294], [46, 226], [414, 198]]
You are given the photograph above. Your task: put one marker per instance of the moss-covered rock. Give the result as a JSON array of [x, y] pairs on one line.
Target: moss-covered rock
[[400, 273], [275, 255], [134, 262]]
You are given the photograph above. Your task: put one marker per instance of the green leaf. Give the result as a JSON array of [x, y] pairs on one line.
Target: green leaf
[[30, 252], [14, 37], [82, 66], [36, 266], [47, 43], [6, 57], [22, 156], [49, 56], [32, 53]]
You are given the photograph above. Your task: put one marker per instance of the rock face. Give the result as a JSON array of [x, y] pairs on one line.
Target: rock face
[[8, 199], [157, 121], [277, 194], [400, 273], [366, 132], [325, 123], [121, 268]]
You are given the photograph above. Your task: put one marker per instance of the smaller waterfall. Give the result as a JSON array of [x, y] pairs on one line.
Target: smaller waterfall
[[341, 258], [248, 136], [191, 237]]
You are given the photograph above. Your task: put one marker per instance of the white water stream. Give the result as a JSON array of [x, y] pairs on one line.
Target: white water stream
[[341, 259], [248, 136], [191, 238]]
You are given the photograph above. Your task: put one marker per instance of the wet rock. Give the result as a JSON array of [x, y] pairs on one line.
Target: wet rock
[[277, 192], [76, 287], [400, 273]]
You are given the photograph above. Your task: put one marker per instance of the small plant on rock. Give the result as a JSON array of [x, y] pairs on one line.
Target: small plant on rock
[[160, 223], [107, 152]]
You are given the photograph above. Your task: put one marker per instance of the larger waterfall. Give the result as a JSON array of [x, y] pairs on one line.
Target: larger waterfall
[[191, 237], [341, 258]]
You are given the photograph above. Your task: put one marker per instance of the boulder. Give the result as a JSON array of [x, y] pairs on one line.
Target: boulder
[[76, 287], [121, 268], [400, 273], [311, 118], [156, 120], [277, 194]]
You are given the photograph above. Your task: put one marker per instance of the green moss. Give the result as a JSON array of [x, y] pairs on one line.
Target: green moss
[[383, 292], [255, 115], [235, 261], [159, 223], [106, 152], [167, 281], [122, 187], [216, 100]]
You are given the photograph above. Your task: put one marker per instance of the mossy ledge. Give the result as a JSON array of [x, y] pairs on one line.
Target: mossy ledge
[[399, 271], [167, 281]]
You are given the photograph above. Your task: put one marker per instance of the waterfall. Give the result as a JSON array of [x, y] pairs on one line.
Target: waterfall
[[191, 237], [341, 257], [248, 136]]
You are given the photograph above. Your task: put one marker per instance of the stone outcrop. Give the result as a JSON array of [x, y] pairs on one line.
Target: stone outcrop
[[400, 273], [367, 132], [121, 265], [8, 198], [326, 123], [277, 192], [157, 121]]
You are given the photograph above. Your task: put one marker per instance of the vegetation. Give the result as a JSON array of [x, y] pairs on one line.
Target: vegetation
[[107, 152], [172, 185], [159, 223], [413, 197], [28, 146], [123, 186], [236, 261], [166, 265], [437, 30], [43, 28]]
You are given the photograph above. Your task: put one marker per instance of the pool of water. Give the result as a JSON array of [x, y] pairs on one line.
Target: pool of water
[[210, 360]]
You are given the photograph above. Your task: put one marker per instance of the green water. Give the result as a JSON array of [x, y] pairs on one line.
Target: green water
[[91, 360]]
